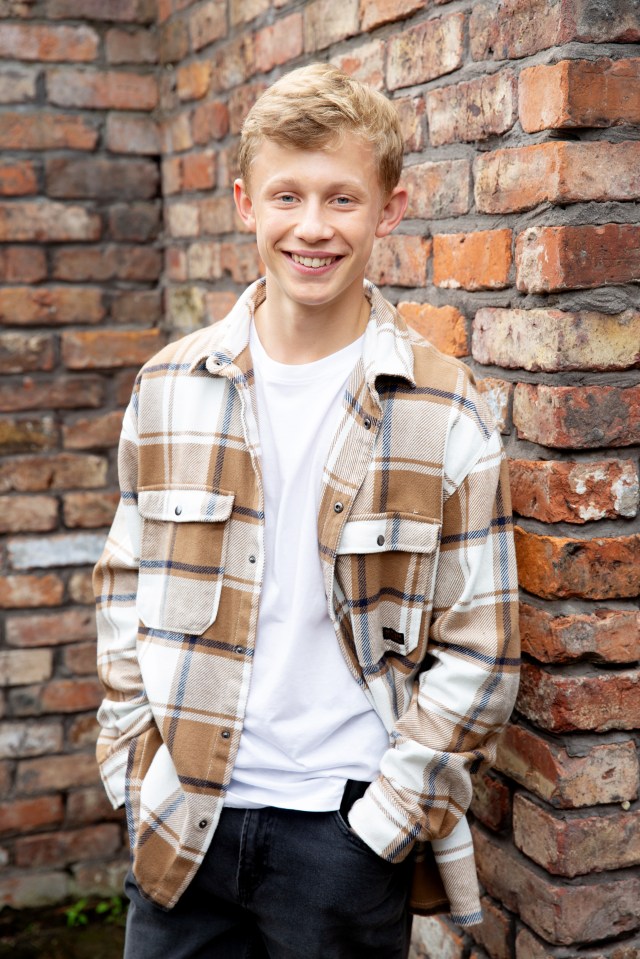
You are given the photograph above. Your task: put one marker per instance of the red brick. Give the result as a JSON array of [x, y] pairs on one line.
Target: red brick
[[31, 890], [45, 43], [473, 261], [175, 264], [88, 806], [89, 509], [93, 432], [241, 261], [279, 43], [26, 306], [411, 111], [51, 628], [563, 702], [62, 848], [577, 417], [374, 13], [101, 178], [217, 215], [519, 179], [70, 696], [192, 80], [329, 21], [528, 946], [46, 131], [24, 815], [228, 167], [561, 913], [444, 326], [18, 592], [20, 739], [173, 42], [474, 110], [580, 93], [175, 133], [80, 659], [127, 46], [142, 307], [25, 352], [438, 189], [32, 474], [28, 514], [123, 11], [607, 635], [83, 731], [517, 28], [171, 175], [183, 219], [53, 773], [18, 179], [81, 588], [101, 90], [580, 774], [185, 307], [209, 121], [243, 11], [573, 844], [101, 263], [18, 85], [426, 51], [43, 220], [551, 258], [106, 349], [491, 802], [62, 393], [19, 667], [198, 171], [22, 264], [400, 261], [554, 341], [240, 102], [208, 23], [435, 937], [218, 304], [571, 492], [498, 395], [134, 222], [233, 63], [137, 135], [495, 932], [25, 435]]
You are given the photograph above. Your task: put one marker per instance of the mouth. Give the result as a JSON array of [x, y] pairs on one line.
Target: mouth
[[313, 262]]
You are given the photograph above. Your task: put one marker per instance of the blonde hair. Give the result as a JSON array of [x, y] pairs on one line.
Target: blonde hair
[[316, 105]]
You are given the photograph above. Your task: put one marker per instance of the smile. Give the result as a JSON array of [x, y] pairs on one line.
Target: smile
[[313, 261]]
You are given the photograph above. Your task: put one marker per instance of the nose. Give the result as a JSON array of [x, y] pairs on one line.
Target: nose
[[313, 225]]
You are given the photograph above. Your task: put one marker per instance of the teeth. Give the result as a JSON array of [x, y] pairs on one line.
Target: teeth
[[314, 261]]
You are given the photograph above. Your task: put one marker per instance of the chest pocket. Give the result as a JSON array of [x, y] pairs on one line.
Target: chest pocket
[[385, 568], [182, 557]]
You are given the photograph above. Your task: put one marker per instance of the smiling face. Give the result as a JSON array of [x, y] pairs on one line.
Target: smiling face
[[316, 214]]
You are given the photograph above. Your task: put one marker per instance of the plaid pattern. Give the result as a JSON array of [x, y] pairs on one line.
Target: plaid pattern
[[415, 539]]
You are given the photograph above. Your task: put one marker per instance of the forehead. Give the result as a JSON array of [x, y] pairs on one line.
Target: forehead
[[347, 158]]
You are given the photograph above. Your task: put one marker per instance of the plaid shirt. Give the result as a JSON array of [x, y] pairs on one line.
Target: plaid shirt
[[415, 542]]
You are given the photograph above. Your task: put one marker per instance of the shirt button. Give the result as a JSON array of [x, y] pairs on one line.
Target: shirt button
[[239, 649], [178, 510], [367, 424], [338, 507], [380, 540], [252, 558], [203, 824], [225, 734]]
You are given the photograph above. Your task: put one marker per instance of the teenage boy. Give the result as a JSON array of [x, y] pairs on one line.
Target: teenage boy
[[307, 627]]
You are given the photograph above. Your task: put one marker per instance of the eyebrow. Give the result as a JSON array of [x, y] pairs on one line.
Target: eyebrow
[[291, 183]]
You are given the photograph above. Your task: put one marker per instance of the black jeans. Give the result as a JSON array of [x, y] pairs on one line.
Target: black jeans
[[278, 884]]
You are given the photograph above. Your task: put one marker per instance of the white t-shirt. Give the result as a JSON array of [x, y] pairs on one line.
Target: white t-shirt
[[308, 725]]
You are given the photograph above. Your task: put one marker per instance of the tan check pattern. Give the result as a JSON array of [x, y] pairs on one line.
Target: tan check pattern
[[415, 538]]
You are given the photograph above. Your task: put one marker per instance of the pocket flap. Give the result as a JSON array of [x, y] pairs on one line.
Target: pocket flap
[[382, 532], [185, 505]]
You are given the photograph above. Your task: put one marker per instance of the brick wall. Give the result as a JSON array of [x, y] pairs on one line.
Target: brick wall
[[519, 253]]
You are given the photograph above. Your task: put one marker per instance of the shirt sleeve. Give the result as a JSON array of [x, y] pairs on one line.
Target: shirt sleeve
[[465, 693], [125, 712]]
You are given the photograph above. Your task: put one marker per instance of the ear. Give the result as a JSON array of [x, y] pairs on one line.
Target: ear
[[244, 204], [392, 212]]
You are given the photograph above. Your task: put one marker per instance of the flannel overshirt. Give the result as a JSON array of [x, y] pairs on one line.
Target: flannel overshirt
[[415, 542]]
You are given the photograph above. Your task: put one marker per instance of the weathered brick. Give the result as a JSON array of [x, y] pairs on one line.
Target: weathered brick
[[491, 802], [498, 395], [436, 937], [573, 844], [61, 848], [218, 304], [495, 932], [571, 492], [20, 667], [563, 702], [233, 62], [577, 257], [101, 90], [241, 261], [561, 913], [53, 628], [474, 110], [571, 776], [473, 261], [279, 43], [175, 264], [529, 946], [17, 84], [329, 21], [22, 264], [64, 392], [209, 121], [100, 263], [444, 326], [32, 474], [580, 93], [28, 514], [243, 11], [88, 806], [106, 349], [25, 352], [122, 11], [101, 879], [81, 588], [19, 739], [80, 659], [27, 306], [101, 178], [137, 135], [32, 890], [426, 51], [217, 215], [208, 23], [411, 111], [21, 592], [183, 219], [65, 549], [131, 46], [44, 43], [240, 102], [52, 773], [553, 340], [518, 179], [198, 171], [93, 432], [399, 261], [134, 222], [577, 417], [46, 131], [89, 509], [185, 307], [18, 179], [173, 42], [438, 189], [192, 80], [44, 220], [83, 731], [517, 28], [606, 635], [24, 435], [24, 815], [142, 307], [57, 696], [374, 13]]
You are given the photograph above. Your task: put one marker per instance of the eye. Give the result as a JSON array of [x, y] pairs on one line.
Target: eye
[[343, 200], [286, 198]]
